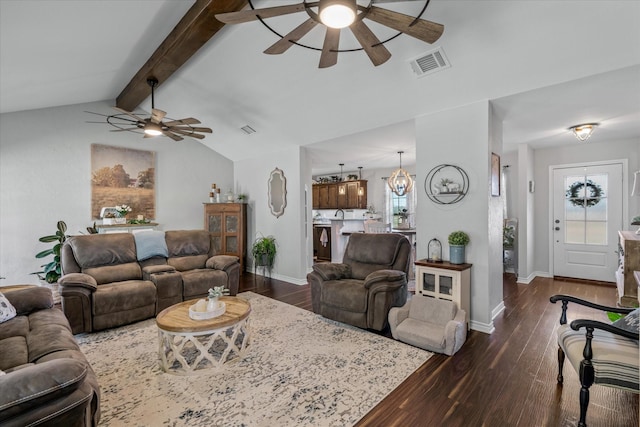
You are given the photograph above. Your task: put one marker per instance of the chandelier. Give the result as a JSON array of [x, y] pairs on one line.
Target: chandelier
[[400, 181]]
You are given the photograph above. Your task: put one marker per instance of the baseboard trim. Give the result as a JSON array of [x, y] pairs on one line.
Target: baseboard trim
[[529, 278], [283, 278], [496, 311], [487, 328]]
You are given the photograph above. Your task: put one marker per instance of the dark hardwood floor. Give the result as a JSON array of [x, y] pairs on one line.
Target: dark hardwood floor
[[507, 378]]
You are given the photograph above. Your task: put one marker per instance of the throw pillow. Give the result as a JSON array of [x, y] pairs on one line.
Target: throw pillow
[[7, 311], [630, 322], [150, 244]]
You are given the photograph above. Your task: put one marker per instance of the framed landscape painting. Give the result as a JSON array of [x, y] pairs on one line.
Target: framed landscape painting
[[123, 176]]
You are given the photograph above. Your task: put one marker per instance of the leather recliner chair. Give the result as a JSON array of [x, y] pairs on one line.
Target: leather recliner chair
[[371, 279]]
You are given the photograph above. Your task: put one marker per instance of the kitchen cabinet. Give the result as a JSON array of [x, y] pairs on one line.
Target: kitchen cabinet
[[444, 280], [629, 261], [340, 195], [227, 224]]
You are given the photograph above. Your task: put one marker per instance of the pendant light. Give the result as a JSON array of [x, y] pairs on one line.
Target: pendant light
[[400, 181], [342, 190]]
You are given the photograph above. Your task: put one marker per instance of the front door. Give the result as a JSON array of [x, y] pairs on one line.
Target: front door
[[587, 214]]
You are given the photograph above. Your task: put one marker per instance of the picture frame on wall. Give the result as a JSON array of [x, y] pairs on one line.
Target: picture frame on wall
[[495, 175]]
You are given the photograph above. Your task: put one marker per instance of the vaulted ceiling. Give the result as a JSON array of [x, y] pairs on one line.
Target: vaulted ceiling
[[545, 66]]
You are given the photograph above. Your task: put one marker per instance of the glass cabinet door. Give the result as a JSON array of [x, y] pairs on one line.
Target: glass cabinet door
[[446, 285], [429, 282]]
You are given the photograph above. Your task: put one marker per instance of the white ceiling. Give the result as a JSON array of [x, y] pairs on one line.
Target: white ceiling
[[546, 65]]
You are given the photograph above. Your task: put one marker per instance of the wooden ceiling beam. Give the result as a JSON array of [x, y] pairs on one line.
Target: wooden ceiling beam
[[194, 30]]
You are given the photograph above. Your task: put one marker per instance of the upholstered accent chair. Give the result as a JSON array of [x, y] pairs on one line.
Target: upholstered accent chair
[[601, 353], [429, 323], [371, 279]]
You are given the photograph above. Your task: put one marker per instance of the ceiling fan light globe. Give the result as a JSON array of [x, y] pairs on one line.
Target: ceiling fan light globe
[[337, 13], [152, 129]]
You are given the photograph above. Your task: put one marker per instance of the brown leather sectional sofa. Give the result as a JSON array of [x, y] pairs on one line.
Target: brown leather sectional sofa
[[111, 280], [47, 379]]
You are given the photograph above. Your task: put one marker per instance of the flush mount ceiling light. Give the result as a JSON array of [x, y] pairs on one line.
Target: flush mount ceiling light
[[337, 14], [400, 181], [154, 125], [584, 131]]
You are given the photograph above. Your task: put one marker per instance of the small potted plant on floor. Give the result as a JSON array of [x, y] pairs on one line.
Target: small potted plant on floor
[[264, 252], [457, 242]]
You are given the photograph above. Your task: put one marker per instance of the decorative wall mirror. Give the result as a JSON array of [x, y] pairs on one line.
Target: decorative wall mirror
[[277, 192]]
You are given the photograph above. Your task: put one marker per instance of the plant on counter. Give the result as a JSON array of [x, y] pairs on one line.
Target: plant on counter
[[459, 238], [123, 210], [508, 236], [264, 252], [457, 242], [52, 271], [217, 291]]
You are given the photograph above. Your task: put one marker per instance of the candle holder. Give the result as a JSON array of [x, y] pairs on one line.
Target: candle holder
[[434, 250]]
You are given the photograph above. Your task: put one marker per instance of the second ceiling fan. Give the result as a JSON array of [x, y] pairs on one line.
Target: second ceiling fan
[[338, 14]]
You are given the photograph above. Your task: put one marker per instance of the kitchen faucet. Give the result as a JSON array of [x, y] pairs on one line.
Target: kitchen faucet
[[336, 214]]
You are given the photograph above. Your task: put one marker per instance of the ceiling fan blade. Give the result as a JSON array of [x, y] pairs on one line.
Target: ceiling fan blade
[[190, 129], [370, 43], [424, 30], [286, 42], [252, 14], [125, 129], [128, 113], [157, 115], [187, 121], [172, 135], [329, 55], [187, 133]]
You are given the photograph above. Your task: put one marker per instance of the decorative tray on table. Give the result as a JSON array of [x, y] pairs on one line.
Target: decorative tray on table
[[198, 311]]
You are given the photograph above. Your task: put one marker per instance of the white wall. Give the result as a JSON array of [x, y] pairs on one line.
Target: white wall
[[289, 229], [45, 176], [585, 152], [461, 136]]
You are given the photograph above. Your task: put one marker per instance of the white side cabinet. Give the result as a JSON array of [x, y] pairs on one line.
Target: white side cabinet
[[444, 280]]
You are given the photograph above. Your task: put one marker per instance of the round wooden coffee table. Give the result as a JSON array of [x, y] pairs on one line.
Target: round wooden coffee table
[[188, 345]]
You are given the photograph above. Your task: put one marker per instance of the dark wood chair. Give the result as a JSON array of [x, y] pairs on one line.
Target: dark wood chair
[[601, 353]]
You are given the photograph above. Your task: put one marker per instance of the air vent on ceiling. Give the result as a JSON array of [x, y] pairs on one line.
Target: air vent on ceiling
[[430, 62], [248, 129]]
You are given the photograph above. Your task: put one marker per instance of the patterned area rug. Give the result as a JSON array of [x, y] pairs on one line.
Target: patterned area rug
[[300, 370]]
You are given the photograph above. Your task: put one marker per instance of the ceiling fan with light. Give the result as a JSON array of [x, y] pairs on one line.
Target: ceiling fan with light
[[338, 14], [154, 125]]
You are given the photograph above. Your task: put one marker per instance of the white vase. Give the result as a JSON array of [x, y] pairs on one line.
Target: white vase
[[212, 304]]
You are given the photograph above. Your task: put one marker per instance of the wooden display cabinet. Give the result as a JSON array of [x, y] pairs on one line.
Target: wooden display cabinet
[[629, 260], [444, 280], [227, 224]]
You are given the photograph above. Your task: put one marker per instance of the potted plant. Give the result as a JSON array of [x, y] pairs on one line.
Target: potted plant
[[52, 271], [214, 294], [457, 242], [264, 252]]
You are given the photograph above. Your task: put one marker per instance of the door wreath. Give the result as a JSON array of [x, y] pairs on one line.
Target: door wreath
[[594, 191]]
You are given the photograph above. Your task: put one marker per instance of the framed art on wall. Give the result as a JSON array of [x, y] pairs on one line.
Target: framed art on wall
[[495, 175], [123, 176]]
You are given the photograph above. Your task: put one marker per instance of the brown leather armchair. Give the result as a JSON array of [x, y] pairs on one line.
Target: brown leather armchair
[[371, 279]]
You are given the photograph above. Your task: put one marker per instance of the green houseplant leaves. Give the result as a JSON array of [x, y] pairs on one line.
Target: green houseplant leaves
[[52, 271]]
